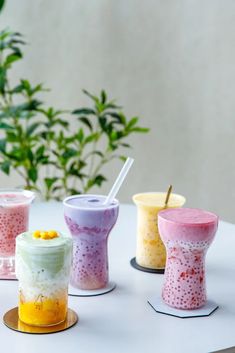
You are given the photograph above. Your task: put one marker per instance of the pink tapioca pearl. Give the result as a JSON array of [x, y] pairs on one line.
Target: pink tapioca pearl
[[13, 222], [187, 234]]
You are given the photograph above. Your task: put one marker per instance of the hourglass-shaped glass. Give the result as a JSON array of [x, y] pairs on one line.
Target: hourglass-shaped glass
[[90, 222], [187, 234]]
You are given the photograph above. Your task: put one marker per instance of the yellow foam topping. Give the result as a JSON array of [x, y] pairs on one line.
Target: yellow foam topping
[[157, 199]]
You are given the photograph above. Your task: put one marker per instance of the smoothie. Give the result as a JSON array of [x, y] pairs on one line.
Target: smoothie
[[150, 251], [43, 261], [14, 215], [187, 234], [90, 223]]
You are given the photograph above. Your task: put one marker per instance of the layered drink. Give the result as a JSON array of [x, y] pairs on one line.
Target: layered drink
[[43, 262]]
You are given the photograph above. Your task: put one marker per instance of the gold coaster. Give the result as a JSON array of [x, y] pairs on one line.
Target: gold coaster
[[11, 320]]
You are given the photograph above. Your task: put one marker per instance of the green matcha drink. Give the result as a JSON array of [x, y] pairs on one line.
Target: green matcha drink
[[43, 261]]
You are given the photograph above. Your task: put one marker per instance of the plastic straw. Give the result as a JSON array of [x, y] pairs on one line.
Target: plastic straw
[[116, 186]]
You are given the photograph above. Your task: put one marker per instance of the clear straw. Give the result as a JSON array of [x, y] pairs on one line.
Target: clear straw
[[116, 186]]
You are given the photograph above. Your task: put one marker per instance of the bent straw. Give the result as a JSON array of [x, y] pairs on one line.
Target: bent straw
[[168, 196], [116, 186]]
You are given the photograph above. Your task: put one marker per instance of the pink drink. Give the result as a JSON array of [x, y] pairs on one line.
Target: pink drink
[[187, 234], [14, 215], [90, 223]]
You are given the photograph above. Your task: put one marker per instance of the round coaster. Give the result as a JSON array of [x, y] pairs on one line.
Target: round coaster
[[146, 269], [11, 320], [92, 292]]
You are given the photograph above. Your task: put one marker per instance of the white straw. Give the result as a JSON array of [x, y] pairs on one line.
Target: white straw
[[116, 186]]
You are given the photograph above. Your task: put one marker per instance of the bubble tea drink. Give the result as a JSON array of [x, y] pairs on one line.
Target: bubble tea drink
[[90, 222], [187, 234], [14, 216], [150, 250], [43, 262]]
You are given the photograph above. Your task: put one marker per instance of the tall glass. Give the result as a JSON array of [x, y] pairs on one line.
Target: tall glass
[[42, 268], [90, 223], [150, 250], [14, 217], [187, 234]]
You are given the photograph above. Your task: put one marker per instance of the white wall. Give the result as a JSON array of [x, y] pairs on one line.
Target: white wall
[[171, 62]]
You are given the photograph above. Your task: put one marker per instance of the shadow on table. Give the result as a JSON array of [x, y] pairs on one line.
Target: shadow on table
[[226, 350]]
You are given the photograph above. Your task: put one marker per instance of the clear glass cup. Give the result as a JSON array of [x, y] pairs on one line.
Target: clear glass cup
[[90, 223], [150, 250], [43, 269], [14, 218], [187, 234]]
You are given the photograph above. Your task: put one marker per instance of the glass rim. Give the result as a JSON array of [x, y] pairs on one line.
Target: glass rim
[[29, 196], [157, 204], [76, 207], [181, 223], [21, 241]]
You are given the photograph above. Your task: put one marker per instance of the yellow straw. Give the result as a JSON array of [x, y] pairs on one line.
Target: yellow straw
[[168, 195]]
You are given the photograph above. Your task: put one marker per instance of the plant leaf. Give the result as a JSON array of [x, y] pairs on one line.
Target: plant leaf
[[132, 122], [6, 126], [92, 137], [31, 128], [123, 158], [125, 145], [86, 121], [1, 4], [3, 79], [30, 155], [70, 152], [33, 174], [5, 167], [98, 180], [80, 135], [11, 58], [86, 111], [40, 151], [94, 98], [140, 129], [49, 182], [2, 145], [103, 96]]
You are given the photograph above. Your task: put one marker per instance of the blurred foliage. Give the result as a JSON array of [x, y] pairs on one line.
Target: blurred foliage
[[38, 142], [2, 2]]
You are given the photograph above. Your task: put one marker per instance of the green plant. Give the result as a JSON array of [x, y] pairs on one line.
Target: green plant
[[39, 143]]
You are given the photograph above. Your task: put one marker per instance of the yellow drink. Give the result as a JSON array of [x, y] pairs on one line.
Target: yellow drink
[[150, 251], [43, 311]]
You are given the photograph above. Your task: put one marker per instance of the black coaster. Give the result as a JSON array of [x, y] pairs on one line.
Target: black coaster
[[146, 269]]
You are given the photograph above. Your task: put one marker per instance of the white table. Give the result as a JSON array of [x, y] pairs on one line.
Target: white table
[[123, 321]]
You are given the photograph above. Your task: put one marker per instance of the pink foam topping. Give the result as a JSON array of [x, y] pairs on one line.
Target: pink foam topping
[[188, 216]]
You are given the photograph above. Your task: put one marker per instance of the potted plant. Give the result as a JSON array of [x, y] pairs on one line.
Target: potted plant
[[39, 143]]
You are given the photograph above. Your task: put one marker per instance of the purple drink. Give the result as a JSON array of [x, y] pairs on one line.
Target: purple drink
[[90, 223]]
